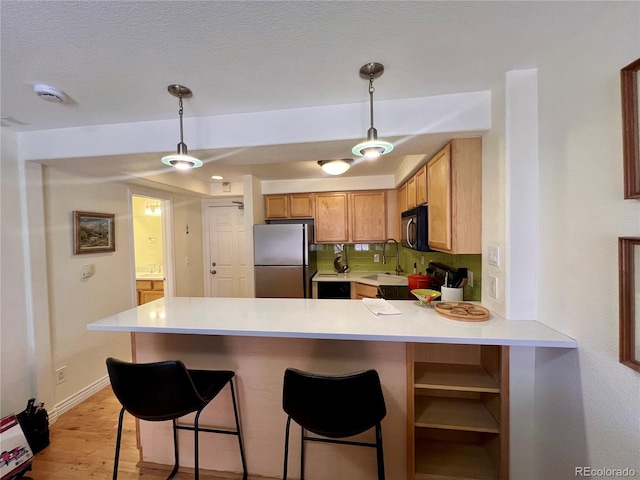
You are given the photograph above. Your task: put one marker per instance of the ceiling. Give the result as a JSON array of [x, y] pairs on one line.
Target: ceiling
[[116, 59]]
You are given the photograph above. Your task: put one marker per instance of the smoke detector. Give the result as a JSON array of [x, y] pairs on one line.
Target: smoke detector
[[49, 93]]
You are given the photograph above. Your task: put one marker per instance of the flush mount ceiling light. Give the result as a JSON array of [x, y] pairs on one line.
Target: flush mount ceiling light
[[49, 93], [181, 160], [336, 167], [373, 147]]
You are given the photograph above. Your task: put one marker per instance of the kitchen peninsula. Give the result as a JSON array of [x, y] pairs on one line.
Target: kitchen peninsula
[[259, 337]]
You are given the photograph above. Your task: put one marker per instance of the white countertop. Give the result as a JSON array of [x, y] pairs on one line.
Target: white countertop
[[324, 319], [361, 277]]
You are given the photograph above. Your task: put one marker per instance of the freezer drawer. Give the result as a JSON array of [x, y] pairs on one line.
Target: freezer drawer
[[280, 281]]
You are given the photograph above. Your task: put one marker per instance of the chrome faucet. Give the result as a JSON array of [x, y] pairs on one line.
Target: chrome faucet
[[399, 269]]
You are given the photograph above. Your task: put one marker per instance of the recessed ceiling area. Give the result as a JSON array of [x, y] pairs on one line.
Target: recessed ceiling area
[[259, 56]]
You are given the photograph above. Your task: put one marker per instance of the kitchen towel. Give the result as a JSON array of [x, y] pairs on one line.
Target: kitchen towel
[[379, 306]]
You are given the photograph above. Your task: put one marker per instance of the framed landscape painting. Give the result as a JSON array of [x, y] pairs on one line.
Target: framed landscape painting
[[93, 232]]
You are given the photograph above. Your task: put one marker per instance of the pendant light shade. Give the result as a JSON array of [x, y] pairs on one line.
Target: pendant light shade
[[181, 160], [336, 167], [372, 147]]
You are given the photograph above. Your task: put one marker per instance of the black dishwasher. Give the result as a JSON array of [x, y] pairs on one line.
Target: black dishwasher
[[334, 290]]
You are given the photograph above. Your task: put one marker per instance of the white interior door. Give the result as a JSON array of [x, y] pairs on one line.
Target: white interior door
[[227, 252]]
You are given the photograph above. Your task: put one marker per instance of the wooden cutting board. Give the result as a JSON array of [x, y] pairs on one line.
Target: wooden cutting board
[[462, 311]]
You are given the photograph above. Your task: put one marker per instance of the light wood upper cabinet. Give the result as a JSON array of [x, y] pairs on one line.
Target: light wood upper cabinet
[[414, 191], [368, 216], [411, 193], [421, 186], [454, 189], [351, 217], [332, 218], [293, 205], [276, 206], [301, 205], [402, 198]]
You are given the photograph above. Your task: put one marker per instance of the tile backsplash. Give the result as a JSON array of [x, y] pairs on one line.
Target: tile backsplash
[[360, 257]]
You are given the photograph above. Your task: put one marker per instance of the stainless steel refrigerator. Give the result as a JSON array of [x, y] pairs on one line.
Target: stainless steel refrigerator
[[284, 259]]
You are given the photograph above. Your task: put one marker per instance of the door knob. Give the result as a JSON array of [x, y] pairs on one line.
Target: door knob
[[213, 264], [212, 272]]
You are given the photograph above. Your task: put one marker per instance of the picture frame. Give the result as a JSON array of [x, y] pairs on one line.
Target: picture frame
[[93, 232], [631, 128], [629, 264]]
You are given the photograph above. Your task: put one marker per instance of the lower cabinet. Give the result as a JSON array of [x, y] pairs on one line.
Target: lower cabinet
[[457, 411], [149, 290], [362, 290]]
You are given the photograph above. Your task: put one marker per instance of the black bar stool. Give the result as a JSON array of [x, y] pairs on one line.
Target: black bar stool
[[334, 407], [167, 391]]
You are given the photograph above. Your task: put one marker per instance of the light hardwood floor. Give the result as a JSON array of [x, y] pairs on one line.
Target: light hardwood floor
[[83, 444]]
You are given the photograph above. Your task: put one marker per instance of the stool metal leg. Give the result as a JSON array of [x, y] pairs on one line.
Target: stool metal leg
[[118, 439], [379, 452], [302, 453], [176, 454], [196, 445], [235, 413], [286, 448]]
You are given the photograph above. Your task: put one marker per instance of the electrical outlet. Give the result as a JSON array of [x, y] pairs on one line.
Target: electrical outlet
[[493, 286], [422, 260], [470, 278], [61, 375], [376, 258]]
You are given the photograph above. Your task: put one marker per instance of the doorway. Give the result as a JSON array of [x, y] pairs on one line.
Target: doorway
[[225, 251], [150, 255]]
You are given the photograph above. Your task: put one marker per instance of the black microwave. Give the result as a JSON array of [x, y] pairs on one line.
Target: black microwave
[[414, 230]]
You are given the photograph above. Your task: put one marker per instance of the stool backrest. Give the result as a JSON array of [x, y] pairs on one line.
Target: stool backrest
[[154, 391], [334, 406]]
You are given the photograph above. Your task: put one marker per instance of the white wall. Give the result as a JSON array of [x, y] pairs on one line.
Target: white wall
[[587, 403], [75, 302], [45, 304], [16, 364], [187, 212]]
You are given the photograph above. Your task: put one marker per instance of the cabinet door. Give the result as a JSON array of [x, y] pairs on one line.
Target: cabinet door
[[361, 290], [411, 193], [368, 216], [421, 186], [331, 219], [146, 296], [301, 205], [402, 198], [439, 192], [276, 206]]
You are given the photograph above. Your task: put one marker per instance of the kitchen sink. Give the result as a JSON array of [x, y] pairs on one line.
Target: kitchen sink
[[385, 279]]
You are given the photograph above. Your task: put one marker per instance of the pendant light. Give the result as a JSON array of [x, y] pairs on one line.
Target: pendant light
[[181, 160], [373, 147], [336, 167]]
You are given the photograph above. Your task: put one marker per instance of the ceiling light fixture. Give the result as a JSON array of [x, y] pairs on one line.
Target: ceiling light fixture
[[373, 147], [336, 167], [217, 177], [181, 160], [49, 93]]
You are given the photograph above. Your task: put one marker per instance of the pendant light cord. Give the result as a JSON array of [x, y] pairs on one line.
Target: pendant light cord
[[371, 90], [180, 113]]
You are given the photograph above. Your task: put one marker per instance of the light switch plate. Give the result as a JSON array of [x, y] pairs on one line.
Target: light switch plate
[[493, 286], [494, 255]]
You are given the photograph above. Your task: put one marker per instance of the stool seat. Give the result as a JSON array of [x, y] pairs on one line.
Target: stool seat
[[334, 407], [167, 390]]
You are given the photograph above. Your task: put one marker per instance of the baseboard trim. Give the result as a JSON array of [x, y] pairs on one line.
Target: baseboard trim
[[76, 399]]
